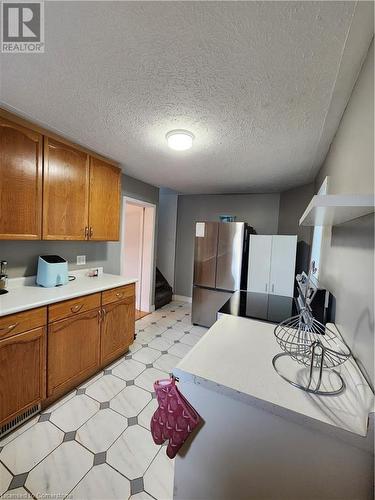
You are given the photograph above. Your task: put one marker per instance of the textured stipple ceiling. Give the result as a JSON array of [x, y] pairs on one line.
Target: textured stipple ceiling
[[262, 85]]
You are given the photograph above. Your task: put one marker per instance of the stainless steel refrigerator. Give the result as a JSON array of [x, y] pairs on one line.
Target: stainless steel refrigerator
[[220, 266]]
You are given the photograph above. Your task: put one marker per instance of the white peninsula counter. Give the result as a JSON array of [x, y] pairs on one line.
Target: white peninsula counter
[[263, 438]]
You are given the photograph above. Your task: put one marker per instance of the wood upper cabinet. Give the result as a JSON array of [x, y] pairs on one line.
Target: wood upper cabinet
[[65, 192], [73, 350], [104, 205], [22, 373], [117, 329], [77, 192], [20, 182]]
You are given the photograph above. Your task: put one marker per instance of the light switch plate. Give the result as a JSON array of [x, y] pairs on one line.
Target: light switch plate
[[81, 260]]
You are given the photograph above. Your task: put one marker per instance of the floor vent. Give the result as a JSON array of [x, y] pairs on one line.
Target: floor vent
[[19, 420]]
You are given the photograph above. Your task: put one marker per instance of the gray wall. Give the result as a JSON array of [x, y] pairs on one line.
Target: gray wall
[[347, 265], [259, 210], [167, 228], [292, 205], [22, 255]]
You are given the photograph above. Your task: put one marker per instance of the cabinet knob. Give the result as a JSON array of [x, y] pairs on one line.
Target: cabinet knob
[[119, 294]]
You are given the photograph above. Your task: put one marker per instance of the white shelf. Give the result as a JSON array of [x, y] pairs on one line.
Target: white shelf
[[334, 209]]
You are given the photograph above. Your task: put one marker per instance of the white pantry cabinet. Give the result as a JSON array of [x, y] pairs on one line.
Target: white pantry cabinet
[[272, 261]]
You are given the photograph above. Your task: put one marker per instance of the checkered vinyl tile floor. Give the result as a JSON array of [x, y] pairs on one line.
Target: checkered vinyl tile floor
[[95, 443]]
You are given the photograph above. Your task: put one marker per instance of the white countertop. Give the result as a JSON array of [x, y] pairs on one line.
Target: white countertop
[[235, 357], [25, 294]]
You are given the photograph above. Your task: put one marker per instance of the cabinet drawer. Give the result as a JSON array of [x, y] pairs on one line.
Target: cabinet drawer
[[120, 293], [22, 321], [73, 306]]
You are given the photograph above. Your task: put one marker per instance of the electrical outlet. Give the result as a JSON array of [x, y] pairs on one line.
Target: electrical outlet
[[81, 260]]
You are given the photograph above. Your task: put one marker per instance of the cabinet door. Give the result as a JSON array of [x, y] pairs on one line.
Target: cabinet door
[[73, 350], [65, 192], [104, 207], [22, 373], [20, 182], [258, 276], [283, 264], [118, 329]]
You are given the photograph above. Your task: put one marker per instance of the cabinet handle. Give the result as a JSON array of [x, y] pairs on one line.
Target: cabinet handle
[[104, 313], [119, 294], [86, 232], [9, 327], [266, 286], [273, 287], [99, 315], [91, 231], [76, 308]]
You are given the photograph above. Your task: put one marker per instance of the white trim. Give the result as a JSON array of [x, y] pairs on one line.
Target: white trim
[[147, 295], [141, 203], [149, 309], [182, 298]]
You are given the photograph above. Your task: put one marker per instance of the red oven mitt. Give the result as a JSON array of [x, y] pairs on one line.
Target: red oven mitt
[[174, 419]]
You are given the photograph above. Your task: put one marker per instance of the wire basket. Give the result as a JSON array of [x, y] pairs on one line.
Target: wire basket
[[314, 345], [308, 341]]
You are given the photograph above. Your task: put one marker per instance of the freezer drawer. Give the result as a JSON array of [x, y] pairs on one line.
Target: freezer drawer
[[205, 254], [229, 255], [206, 304]]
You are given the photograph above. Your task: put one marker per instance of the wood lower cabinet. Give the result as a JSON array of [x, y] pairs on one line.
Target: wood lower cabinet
[[40, 363], [21, 154], [104, 206], [73, 350], [22, 372], [117, 329]]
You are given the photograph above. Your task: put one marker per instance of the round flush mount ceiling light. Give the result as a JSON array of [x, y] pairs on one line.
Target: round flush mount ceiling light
[[180, 140]]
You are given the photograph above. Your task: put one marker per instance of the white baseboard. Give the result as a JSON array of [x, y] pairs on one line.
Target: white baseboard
[[149, 309], [182, 298]]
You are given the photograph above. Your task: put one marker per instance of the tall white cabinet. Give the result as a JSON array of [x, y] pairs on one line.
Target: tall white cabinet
[[272, 261]]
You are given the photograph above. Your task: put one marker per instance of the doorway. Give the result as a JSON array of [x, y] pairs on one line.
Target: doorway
[[137, 251]]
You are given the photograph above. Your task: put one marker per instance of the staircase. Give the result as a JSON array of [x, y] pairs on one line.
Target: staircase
[[163, 291]]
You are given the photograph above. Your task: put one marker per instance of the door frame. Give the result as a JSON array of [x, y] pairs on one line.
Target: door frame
[[148, 253]]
